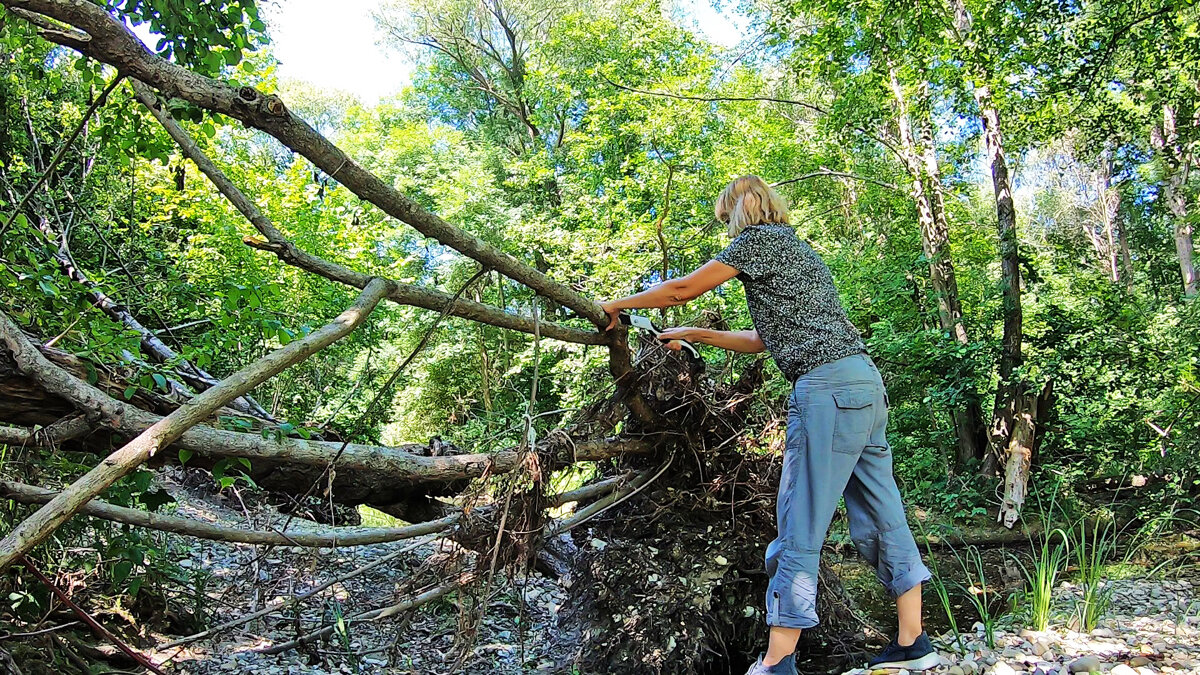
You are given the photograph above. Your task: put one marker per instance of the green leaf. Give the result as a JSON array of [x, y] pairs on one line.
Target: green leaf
[[161, 382], [130, 391], [121, 571], [185, 455]]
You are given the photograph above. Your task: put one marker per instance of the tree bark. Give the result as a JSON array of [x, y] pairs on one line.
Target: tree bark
[[41, 524], [1020, 454], [1008, 393], [1012, 405]]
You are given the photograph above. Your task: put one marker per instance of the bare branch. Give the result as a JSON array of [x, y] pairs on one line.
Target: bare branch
[[323, 537], [837, 174], [42, 523], [276, 606], [62, 150], [374, 615], [764, 99]]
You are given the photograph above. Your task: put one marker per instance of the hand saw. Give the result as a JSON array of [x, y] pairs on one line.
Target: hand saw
[[647, 325]]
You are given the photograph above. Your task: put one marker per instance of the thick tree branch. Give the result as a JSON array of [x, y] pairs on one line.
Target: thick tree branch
[[363, 469], [66, 429], [112, 43], [309, 537], [41, 524], [329, 536]]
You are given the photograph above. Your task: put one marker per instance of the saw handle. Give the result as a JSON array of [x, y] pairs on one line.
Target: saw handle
[[681, 345]]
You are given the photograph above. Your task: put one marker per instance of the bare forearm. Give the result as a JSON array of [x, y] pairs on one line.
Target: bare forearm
[[745, 341], [667, 294]]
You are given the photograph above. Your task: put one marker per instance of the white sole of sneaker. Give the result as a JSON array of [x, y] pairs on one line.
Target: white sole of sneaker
[[930, 660]]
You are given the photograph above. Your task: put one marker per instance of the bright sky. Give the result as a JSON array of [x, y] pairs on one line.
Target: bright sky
[[333, 45]]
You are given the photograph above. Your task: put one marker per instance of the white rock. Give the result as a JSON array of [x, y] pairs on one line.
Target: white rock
[[1002, 668]]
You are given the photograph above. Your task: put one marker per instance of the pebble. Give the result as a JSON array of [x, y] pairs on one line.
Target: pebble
[[1085, 664], [1002, 668], [1122, 669]]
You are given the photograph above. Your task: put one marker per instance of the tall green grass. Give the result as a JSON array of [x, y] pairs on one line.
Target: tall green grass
[[1048, 554], [979, 592], [940, 588], [1094, 543]]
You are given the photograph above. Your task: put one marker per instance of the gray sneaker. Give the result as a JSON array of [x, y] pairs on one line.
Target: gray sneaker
[[785, 667]]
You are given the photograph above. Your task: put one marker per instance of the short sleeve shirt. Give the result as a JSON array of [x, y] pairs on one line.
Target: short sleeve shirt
[[792, 299]]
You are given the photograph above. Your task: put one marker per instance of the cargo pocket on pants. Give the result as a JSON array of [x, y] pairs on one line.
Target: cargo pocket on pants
[[854, 420]]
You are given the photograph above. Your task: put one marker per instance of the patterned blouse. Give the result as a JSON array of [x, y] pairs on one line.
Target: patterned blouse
[[792, 300]]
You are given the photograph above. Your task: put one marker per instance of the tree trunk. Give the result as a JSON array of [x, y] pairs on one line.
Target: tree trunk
[[1011, 402], [1008, 392], [1110, 205], [935, 240], [1176, 166]]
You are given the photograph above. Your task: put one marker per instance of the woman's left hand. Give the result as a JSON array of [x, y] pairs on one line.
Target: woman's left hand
[[680, 333]]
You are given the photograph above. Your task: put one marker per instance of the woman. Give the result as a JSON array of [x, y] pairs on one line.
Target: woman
[[837, 419]]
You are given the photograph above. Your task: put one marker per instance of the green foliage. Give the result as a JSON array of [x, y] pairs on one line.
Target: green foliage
[[1049, 554], [204, 36]]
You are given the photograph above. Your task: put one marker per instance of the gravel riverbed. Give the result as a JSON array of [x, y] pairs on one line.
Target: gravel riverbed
[[1152, 626]]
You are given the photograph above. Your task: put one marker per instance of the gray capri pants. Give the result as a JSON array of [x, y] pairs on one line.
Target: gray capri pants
[[837, 445]]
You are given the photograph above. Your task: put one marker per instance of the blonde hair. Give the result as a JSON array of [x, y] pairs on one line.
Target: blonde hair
[[747, 201]]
